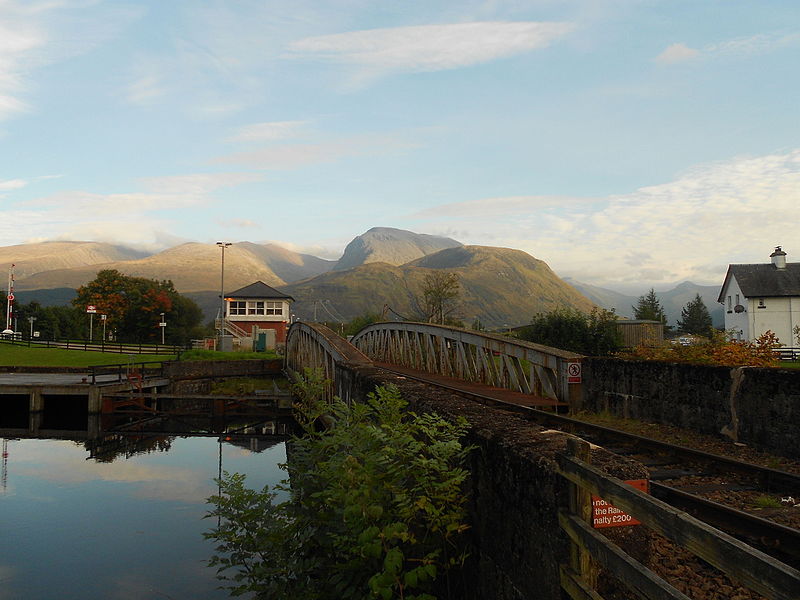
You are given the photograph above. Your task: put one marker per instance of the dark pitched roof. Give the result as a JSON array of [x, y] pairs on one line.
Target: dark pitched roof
[[259, 289], [760, 280]]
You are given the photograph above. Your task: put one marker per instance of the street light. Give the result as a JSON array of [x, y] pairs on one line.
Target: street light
[[222, 245]]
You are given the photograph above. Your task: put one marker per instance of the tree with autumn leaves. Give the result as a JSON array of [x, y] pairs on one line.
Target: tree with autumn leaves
[[133, 307]]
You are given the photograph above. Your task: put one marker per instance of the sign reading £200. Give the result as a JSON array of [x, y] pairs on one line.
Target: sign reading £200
[[608, 515]]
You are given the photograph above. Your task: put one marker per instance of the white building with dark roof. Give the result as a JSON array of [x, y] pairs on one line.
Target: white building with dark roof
[[763, 297]]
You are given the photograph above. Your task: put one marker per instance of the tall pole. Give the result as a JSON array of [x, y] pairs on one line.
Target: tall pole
[[222, 245], [9, 299], [163, 325]]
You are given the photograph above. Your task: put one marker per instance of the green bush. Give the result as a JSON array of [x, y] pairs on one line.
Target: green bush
[[595, 334], [375, 508]]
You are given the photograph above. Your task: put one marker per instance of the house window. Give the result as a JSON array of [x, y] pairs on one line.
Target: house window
[[729, 304], [274, 308], [737, 298], [238, 308], [761, 303], [255, 308]]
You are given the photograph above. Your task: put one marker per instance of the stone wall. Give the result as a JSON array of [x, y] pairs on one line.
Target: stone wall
[[755, 406], [204, 369], [514, 492]]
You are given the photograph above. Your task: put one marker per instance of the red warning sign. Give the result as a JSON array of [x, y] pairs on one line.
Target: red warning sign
[[608, 515]]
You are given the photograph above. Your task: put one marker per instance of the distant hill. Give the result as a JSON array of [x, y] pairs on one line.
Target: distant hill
[[392, 246], [194, 267], [675, 299], [605, 298], [500, 286], [672, 300], [30, 259]]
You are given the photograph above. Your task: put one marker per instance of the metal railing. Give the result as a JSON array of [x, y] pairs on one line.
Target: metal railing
[[490, 359], [123, 372]]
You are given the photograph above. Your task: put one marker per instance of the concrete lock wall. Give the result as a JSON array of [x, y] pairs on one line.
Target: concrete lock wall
[[203, 369], [516, 544], [755, 406]]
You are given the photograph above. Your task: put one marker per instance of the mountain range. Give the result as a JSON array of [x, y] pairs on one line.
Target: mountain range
[[381, 270]]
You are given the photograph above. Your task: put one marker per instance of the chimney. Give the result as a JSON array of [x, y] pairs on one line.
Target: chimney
[[778, 258]]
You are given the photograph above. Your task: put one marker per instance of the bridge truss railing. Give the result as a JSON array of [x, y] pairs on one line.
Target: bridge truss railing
[[316, 346], [486, 358]]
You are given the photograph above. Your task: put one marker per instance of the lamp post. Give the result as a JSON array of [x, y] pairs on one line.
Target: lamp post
[[222, 245], [163, 325], [31, 320]]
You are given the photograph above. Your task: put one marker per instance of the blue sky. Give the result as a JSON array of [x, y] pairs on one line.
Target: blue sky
[[626, 143]]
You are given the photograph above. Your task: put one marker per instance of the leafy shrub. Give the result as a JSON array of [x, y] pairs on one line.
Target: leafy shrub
[[375, 506], [595, 334], [717, 350]]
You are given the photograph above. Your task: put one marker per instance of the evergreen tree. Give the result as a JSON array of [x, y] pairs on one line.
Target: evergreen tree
[[695, 317], [649, 308]]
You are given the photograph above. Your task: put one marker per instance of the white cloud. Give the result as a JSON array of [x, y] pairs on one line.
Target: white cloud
[[686, 229], [429, 47], [129, 218], [677, 53], [506, 205], [198, 184], [754, 44], [267, 132], [293, 156], [12, 184], [34, 34], [744, 46]]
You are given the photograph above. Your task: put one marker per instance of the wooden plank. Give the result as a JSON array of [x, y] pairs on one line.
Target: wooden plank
[[571, 583], [580, 505], [641, 580], [754, 569]]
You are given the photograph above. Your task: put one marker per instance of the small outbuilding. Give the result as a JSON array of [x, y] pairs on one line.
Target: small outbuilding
[[255, 309], [763, 297]]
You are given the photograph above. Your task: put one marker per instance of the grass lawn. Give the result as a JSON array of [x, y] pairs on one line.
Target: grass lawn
[[789, 364], [20, 356], [214, 355]]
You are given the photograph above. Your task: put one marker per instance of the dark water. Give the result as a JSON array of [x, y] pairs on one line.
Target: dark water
[[122, 528]]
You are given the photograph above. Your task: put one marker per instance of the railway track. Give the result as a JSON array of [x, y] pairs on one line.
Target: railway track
[[673, 467]]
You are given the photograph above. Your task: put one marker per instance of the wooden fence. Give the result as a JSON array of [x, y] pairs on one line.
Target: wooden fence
[[749, 567], [112, 347]]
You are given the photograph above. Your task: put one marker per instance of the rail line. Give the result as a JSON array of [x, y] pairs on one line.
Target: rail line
[[780, 541]]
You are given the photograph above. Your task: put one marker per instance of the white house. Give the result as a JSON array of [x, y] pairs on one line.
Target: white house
[[762, 297]]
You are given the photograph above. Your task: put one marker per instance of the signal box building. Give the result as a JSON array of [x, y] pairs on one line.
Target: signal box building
[[257, 308], [763, 297]]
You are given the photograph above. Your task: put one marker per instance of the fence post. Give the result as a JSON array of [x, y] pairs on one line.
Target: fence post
[[580, 504]]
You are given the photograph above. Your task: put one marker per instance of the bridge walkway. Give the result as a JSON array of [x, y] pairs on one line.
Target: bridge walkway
[[487, 391]]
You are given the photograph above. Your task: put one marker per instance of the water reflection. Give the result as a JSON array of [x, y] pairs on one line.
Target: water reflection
[[119, 514]]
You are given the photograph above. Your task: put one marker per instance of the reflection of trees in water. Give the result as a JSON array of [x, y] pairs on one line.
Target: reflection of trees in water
[[110, 447]]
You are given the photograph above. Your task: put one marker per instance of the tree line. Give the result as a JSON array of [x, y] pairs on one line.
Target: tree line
[[132, 307]]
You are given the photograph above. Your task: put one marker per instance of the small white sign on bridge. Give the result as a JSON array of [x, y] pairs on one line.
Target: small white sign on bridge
[[574, 372]]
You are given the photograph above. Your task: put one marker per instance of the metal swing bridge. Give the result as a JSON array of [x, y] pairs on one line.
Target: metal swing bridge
[[462, 354]]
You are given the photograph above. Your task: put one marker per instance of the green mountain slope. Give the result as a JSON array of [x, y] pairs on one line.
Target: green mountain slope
[[500, 286]]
